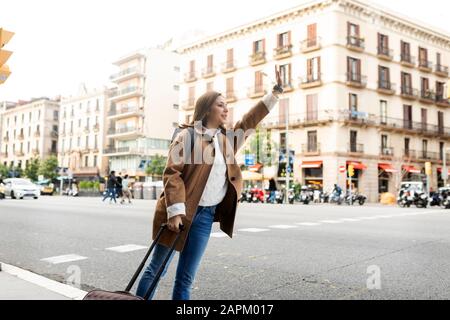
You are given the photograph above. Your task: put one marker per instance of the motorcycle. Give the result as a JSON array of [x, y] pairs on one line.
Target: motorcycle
[[420, 200], [306, 195], [435, 200], [291, 196], [245, 197], [257, 196], [324, 197], [405, 199], [336, 198]]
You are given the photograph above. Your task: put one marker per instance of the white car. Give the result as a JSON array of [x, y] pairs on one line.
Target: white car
[[21, 188]]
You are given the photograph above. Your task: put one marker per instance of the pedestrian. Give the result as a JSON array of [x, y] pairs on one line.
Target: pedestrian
[[111, 187], [196, 195], [126, 189], [272, 190], [119, 186]]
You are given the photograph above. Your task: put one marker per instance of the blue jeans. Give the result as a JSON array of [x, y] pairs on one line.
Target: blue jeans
[[110, 193], [189, 259]]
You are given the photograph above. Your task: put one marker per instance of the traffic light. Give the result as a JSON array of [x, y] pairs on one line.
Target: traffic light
[[428, 168], [5, 36], [351, 171]]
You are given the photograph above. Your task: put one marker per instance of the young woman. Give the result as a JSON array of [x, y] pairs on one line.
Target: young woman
[[126, 189], [196, 195]]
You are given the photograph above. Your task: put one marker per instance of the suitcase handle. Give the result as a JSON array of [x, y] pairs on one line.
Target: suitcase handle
[[141, 266]]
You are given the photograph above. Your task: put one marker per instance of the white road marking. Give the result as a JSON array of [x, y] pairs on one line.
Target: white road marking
[[126, 248], [218, 235], [331, 221], [350, 220], [254, 230], [282, 226], [368, 218], [308, 224], [64, 258]]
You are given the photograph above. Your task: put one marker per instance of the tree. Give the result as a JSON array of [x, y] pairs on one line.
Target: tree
[[48, 168], [15, 172], [156, 166], [262, 145], [32, 169], [4, 171]]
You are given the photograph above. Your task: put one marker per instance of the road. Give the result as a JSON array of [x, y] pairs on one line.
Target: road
[[278, 251]]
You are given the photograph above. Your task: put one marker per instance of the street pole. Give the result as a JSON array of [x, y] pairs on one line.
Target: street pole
[[287, 154], [444, 167]]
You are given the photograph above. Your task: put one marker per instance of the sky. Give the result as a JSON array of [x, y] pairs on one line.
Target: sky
[[62, 43]]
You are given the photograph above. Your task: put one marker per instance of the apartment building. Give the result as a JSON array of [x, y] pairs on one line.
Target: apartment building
[[29, 129], [142, 109], [82, 135], [363, 86]]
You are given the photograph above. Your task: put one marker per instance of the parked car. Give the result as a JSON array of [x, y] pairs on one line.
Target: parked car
[[2, 191], [47, 188], [21, 188]]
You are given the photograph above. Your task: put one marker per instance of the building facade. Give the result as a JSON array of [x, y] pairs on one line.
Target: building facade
[[142, 109], [82, 135], [29, 130], [363, 86]]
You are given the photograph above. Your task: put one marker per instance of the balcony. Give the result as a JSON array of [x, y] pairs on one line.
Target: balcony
[[19, 153], [20, 136], [310, 45], [256, 92], [356, 80], [311, 150], [355, 43], [288, 86], [86, 129], [5, 139], [355, 148], [441, 70], [123, 133], [282, 52], [310, 81], [35, 152], [386, 153], [37, 134], [441, 101], [257, 58], [125, 112], [385, 53], [190, 76], [229, 66], [126, 74], [354, 118], [230, 96], [428, 156], [409, 155], [427, 96], [128, 92], [409, 127], [72, 114], [3, 154], [111, 151], [96, 127], [54, 134], [188, 104], [386, 87], [300, 120], [407, 60], [425, 65], [409, 93], [209, 72], [85, 150]]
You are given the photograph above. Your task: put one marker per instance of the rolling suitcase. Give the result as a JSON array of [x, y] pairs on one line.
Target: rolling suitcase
[[126, 295]]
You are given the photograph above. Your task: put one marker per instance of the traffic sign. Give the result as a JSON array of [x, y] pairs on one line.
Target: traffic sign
[[342, 169], [249, 159]]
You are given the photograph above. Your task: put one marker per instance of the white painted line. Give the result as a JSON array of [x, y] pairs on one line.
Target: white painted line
[[385, 217], [368, 218], [64, 258], [282, 226], [126, 248], [254, 230], [57, 287], [218, 235], [349, 220], [331, 221], [308, 224]]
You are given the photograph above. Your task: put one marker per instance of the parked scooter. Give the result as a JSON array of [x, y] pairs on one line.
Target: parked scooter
[[257, 195], [291, 196], [420, 200], [405, 199], [306, 195], [246, 196], [335, 198], [435, 200]]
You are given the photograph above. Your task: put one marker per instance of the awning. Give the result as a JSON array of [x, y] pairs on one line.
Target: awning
[[440, 170], [357, 165], [311, 164], [253, 176], [256, 167], [387, 167], [411, 169]]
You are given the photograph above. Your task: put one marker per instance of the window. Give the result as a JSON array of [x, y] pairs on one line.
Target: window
[[311, 35], [283, 107], [78, 142], [230, 87], [95, 161], [54, 146], [230, 58], [176, 106], [425, 149], [405, 51], [440, 91], [423, 58], [209, 63], [79, 123], [97, 106], [441, 151], [285, 74], [441, 122], [312, 141], [313, 69], [176, 87], [96, 142], [86, 161], [353, 69], [407, 117], [283, 141], [87, 142], [353, 141], [87, 122], [353, 105], [55, 115], [176, 69], [384, 81], [383, 111], [284, 39], [191, 96], [383, 44], [353, 35], [209, 86], [311, 107], [192, 67], [259, 47], [259, 81], [406, 83], [39, 115], [425, 87], [384, 140]]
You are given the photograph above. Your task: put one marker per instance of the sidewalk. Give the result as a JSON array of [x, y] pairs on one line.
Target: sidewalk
[[19, 284]]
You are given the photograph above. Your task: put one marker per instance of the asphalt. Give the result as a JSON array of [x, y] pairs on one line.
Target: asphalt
[[324, 261]]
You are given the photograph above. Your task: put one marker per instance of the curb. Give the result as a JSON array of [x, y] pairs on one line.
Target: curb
[[54, 286]]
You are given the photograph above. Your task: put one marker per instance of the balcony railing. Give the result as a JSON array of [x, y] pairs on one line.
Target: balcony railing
[[427, 96], [356, 79], [427, 155], [309, 45], [4, 154], [442, 101], [425, 65], [310, 80], [355, 148], [124, 110], [283, 51], [37, 134], [441, 70], [409, 92], [299, 120], [386, 151], [257, 58], [256, 92], [35, 151], [125, 91], [86, 129], [116, 150], [209, 72], [407, 60], [385, 53], [423, 128], [410, 154], [125, 73], [190, 76], [5, 138], [112, 131], [385, 86], [229, 66], [311, 149], [19, 153], [21, 136], [96, 127], [355, 43]]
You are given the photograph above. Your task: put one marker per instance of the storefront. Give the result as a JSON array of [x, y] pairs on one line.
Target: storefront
[[441, 182], [411, 173], [358, 168], [385, 172], [312, 173]]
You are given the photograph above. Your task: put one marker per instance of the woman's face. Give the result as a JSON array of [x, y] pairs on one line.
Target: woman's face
[[219, 113]]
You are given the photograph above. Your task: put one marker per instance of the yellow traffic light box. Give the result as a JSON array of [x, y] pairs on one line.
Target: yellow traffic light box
[[351, 171]]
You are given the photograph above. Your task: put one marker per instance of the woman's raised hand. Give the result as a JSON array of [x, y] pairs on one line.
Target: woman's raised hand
[[278, 88]]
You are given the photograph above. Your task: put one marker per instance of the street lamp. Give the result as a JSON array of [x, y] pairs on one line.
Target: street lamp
[[444, 173]]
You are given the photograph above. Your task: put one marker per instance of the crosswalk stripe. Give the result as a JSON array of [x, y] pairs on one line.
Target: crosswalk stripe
[[308, 224], [331, 221], [282, 226], [64, 258], [126, 248], [254, 230], [218, 235]]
